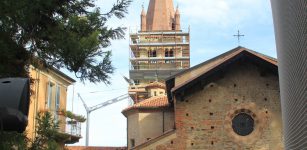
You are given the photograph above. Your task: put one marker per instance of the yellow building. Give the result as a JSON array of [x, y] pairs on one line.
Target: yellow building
[[49, 93]]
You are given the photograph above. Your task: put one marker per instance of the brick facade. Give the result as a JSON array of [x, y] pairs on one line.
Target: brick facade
[[203, 118]]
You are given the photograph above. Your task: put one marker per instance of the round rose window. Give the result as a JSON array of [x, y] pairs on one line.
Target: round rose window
[[243, 124]]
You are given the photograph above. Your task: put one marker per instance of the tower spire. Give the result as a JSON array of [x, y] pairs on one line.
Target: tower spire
[[143, 11], [177, 19], [160, 15], [143, 19]]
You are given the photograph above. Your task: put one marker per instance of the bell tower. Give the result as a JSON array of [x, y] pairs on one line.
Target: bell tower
[[161, 48], [160, 15]]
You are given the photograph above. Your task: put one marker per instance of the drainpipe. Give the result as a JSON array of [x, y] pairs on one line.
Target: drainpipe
[[36, 103], [163, 121], [127, 134]]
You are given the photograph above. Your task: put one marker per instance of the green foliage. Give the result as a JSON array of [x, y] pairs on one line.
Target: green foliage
[[48, 137], [47, 130], [70, 34], [10, 140], [80, 118], [73, 116]]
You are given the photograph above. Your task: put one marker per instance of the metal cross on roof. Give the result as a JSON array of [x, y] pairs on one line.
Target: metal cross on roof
[[238, 35]]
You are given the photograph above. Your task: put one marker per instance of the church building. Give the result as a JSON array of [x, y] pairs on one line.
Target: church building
[[229, 102]]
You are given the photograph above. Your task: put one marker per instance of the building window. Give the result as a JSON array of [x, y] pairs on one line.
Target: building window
[[243, 124], [169, 53], [57, 97], [173, 26], [50, 94], [57, 102], [137, 82], [132, 142], [152, 53], [166, 52], [53, 98]]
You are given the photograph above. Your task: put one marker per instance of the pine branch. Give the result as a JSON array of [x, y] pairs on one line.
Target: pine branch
[[119, 9]]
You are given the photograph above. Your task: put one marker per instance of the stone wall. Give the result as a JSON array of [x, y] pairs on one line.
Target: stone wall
[[204, 119]]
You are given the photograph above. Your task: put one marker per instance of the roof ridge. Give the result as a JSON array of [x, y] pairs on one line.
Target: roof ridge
[[152, 102], [267, 56], [208, 61], [223, 60], [149, 99]]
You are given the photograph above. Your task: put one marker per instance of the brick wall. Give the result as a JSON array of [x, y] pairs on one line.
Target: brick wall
[[203, 119]]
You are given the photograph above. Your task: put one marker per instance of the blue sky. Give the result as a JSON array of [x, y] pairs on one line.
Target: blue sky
[[212, 26]]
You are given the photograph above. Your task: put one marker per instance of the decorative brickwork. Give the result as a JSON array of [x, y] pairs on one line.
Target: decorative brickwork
[[208, 125], [259, 119]]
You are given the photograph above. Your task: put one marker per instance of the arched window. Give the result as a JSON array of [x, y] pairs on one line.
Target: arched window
[[171, 53], [173, 26], [166, 52], [152, 53], [149, 53]]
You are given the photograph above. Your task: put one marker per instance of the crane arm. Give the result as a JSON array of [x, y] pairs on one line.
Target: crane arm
[[109, 102], [85, 106]]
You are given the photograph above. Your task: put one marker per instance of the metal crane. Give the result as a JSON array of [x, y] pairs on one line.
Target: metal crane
[[93, 108]]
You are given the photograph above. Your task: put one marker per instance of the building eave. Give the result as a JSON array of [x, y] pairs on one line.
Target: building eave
[[165, 134], [128, 112], [153, 103], [207, 75], [63, 75]]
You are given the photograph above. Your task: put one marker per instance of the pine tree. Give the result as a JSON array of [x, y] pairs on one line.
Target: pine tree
[[60, 33], [47, 136], [47, 131]]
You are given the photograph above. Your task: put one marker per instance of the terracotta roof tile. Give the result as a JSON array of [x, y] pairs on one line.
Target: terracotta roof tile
[[150, 103], [156, 84]]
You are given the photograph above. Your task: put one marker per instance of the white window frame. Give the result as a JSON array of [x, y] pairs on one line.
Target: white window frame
[[49, 94]]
